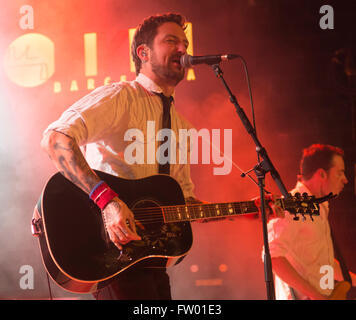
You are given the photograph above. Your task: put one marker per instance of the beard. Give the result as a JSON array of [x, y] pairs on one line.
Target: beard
[[167, 73]]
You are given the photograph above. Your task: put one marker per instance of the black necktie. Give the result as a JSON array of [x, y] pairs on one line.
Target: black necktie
[[166, 124]]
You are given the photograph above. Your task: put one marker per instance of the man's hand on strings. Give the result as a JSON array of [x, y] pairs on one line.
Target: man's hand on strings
[[120, 223]]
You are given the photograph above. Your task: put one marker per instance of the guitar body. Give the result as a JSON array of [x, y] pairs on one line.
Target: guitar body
[[74, 245]]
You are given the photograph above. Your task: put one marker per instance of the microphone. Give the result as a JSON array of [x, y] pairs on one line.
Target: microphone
[[188, 61]]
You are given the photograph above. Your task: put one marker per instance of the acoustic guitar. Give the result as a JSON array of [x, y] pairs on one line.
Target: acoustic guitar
[[74, 244]]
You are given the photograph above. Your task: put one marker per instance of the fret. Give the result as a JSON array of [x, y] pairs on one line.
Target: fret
[[243, 207], [226, 209], [174, 215], [214, 210], [194, 212], [217, 210], [237, 208], [201, 214], [205, 209], [201, 211], [179, 215], [166, 217], [231, 209], [187, 214], [190, 211], [223, 209]]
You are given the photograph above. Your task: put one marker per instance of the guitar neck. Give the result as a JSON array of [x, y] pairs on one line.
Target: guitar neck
[[207, 211]]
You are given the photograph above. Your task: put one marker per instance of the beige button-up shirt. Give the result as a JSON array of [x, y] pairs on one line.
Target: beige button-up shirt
[[307, 245], [101, 121]]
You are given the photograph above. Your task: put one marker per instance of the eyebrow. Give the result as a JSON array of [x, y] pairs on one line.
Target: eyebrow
[[174, 36]]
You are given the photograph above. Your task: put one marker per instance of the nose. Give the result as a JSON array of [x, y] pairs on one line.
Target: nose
[[181, 47], [345, 180]]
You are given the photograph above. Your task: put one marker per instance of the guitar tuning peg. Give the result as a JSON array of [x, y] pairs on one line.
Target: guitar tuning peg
[[311, 217]]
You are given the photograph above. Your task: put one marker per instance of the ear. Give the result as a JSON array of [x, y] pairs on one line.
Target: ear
[[142, 52], [322, 173]]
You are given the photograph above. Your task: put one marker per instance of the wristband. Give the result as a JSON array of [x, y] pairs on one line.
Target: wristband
[[102, 194], [93, 190]]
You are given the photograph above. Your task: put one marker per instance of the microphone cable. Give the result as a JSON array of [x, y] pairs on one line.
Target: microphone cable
[[253, 116]]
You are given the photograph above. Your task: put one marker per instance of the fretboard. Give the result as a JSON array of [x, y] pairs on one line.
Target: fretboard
[[205, 211]]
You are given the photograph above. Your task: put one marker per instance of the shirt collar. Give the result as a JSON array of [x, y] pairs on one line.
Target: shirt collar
[[149, 84]]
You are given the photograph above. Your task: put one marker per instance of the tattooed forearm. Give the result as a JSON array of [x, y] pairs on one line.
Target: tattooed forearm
[[69, 160], [70, 176]]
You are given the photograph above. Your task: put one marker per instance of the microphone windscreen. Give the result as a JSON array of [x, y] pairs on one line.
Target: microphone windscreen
[[185, 61]]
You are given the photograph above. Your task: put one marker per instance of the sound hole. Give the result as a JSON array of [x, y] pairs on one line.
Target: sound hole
[[148, 218]]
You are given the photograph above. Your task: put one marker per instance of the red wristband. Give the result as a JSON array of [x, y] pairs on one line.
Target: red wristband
[[102, 195]]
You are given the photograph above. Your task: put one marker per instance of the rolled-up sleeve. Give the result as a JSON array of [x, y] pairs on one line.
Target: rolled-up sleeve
[[91, 118]]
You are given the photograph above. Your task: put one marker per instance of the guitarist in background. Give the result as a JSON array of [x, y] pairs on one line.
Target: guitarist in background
[[98, 122], [299, 250]]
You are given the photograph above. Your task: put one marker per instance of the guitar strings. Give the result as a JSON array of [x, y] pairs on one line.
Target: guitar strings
[[192, 211]]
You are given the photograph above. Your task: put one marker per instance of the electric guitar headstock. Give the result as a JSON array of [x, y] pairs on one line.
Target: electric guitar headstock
[[304, 205]]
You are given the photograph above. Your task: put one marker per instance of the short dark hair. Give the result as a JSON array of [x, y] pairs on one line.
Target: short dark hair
[[147, 30], [317, 156]]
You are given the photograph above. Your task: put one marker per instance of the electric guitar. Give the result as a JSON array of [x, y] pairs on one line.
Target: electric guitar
[[74, 244]]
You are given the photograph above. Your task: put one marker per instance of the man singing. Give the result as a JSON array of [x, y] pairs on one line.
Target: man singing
[[97, 123]]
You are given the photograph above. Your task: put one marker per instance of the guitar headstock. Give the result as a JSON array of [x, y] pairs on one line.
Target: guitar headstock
[[302, 204]]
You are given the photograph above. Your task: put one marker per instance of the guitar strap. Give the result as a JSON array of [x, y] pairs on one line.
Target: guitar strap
[[340, 258], [292, 293]]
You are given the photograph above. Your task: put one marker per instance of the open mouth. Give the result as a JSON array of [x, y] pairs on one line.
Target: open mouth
[[176, 62]]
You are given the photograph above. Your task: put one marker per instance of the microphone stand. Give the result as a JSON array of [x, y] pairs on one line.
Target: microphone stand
[[260, 169]]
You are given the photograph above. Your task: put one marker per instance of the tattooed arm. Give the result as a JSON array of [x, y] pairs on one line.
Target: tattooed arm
[[69, 160]]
